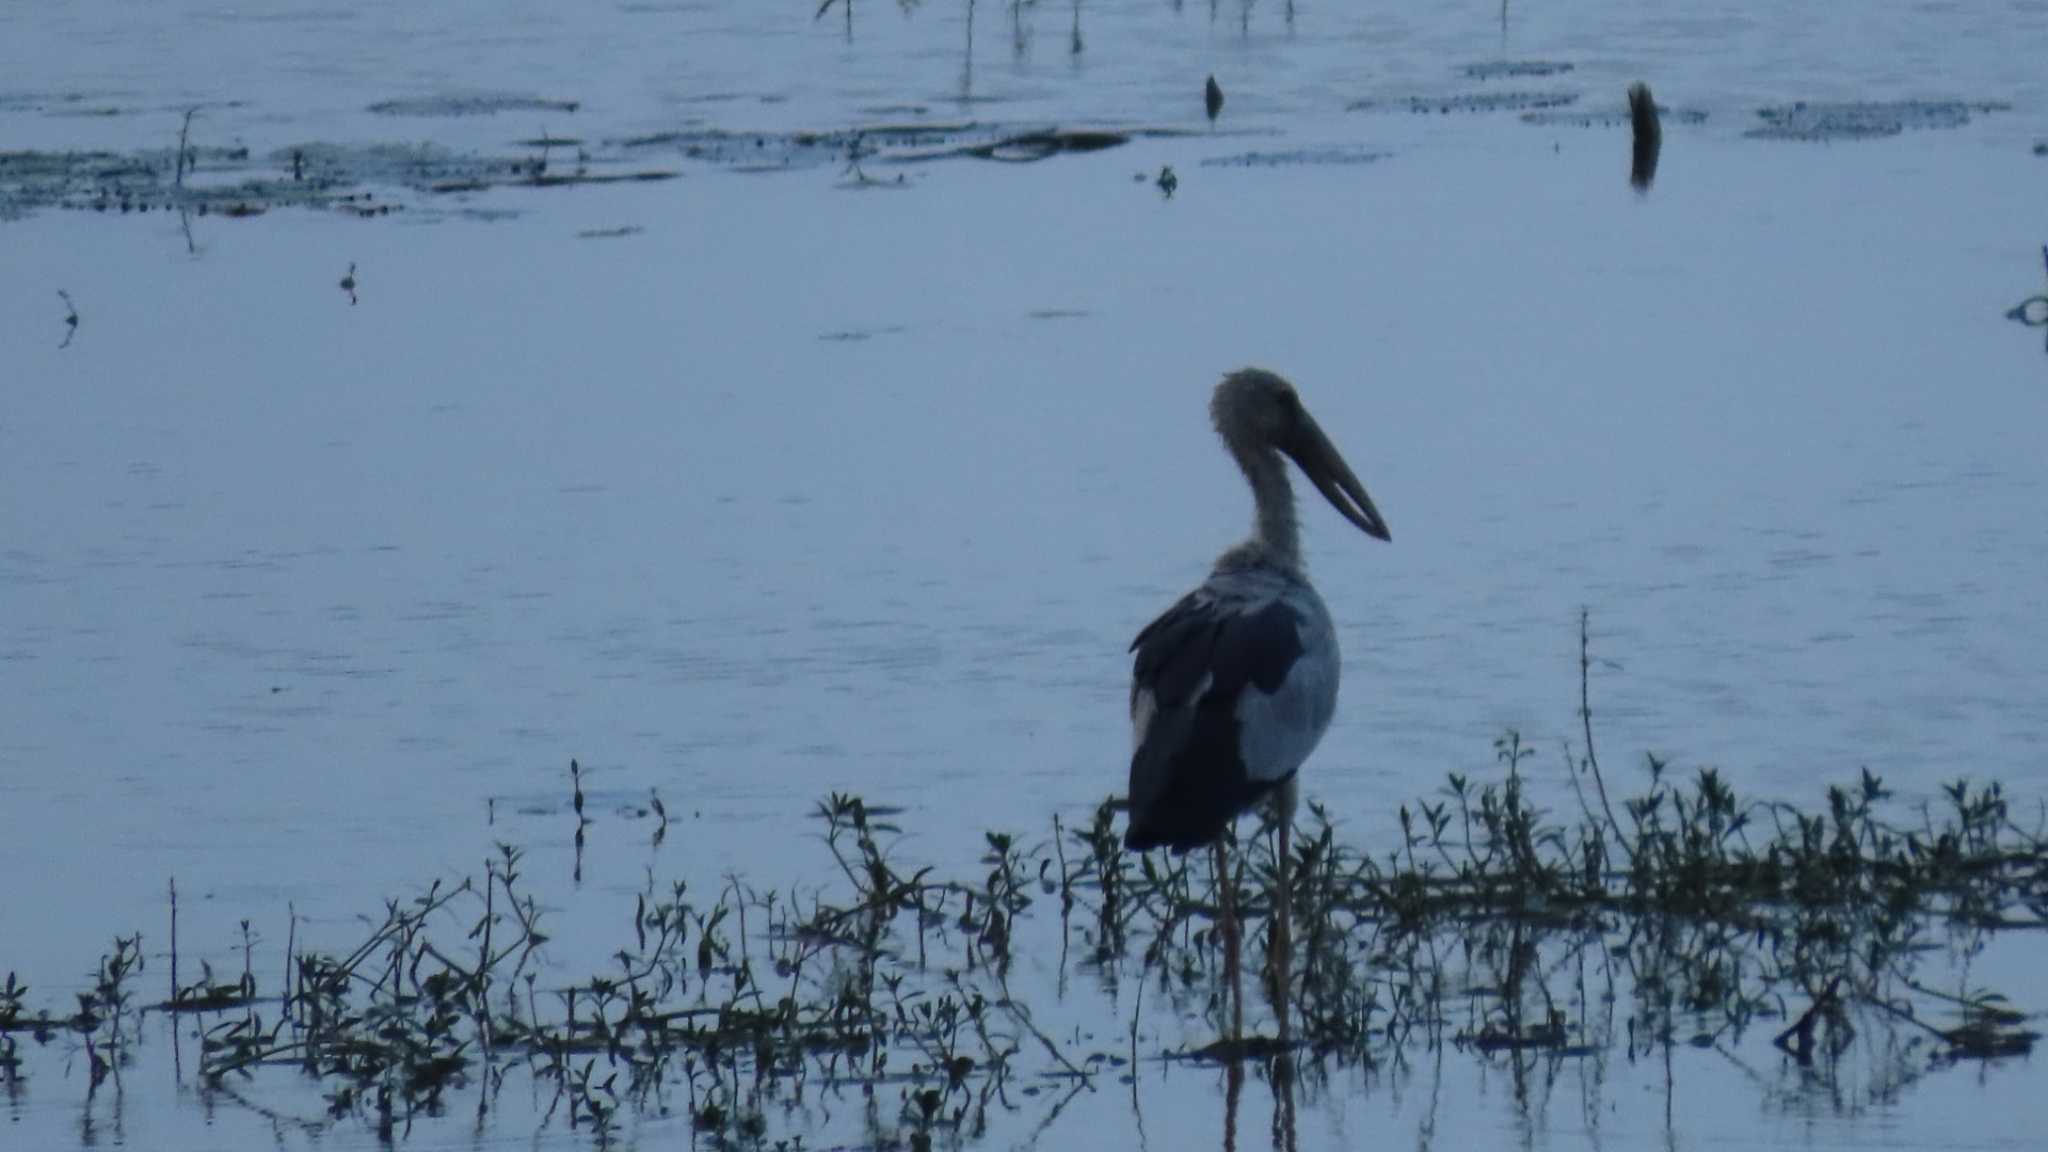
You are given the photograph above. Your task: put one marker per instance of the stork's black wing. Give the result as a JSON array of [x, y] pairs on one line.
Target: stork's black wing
[[1192, 666]]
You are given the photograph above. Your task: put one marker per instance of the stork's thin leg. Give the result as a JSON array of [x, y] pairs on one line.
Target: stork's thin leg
[[1232, 968], [1283, 931], [1233, 1080]]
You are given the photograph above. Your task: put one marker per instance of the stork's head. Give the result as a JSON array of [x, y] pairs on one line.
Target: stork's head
[[1256, 410]]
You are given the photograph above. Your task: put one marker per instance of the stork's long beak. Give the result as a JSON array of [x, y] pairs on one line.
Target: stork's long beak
[[1321, 462]]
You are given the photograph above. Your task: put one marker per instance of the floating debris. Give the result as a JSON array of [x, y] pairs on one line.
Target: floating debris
[[775, 151], [1858, 120], [1514, 69], [354, 178], [610, 233], [124, 182], [1617, 118], [1335, 155], [1648, 137], [76, 105], [859, 335], [538, 177], [1013, 145], [1476, 102], [1026, 147], [481, 104], [1167, 181], [96, 111], [320, 176]]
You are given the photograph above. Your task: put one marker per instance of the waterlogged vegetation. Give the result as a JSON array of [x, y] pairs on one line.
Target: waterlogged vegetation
[[893, 1006]]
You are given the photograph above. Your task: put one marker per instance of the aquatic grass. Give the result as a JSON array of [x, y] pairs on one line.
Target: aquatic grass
[[185, 157], [1648, 920]]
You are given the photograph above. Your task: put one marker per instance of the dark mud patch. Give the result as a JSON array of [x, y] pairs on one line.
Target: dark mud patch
[[1514, 69], [1337, 156], [619, 233], [1617, 118], [1468, 102], [475, 104], [1860, 120]]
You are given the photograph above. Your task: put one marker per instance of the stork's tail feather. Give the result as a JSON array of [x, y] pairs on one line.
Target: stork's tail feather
[[1145, 836]]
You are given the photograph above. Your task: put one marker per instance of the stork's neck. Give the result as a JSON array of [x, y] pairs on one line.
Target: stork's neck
[[1276, 537]]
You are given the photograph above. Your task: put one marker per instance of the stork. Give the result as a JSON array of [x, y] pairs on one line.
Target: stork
[[1233, 686]]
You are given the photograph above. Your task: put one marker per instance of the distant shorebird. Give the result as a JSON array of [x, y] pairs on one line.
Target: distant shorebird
[[1212, 98], [1233, 686]]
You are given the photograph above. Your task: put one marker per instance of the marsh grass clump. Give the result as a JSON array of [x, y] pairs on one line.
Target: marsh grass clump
[[1675, 915], [1701, 910]]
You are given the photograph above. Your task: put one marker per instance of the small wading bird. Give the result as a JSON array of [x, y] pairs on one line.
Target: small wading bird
[[1233, 686]]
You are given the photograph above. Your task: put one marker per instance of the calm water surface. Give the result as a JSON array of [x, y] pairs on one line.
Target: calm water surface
[[804, 488]]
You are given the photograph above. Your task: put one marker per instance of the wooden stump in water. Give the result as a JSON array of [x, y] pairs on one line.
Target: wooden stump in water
[[1649, 136]]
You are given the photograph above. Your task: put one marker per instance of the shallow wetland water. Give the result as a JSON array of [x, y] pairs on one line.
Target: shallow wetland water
[[756, 407]]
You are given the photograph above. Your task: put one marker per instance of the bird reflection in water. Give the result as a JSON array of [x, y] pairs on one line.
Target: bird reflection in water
[[1280, 1078]]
